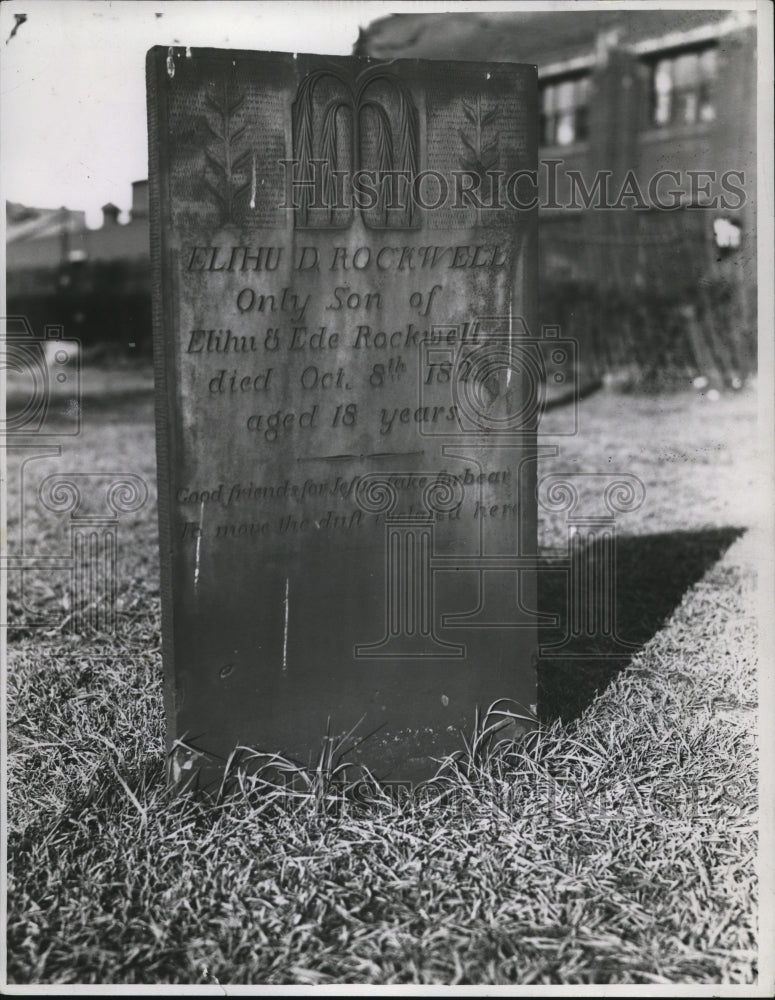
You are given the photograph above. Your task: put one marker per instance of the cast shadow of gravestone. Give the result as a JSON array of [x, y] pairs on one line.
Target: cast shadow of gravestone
[[652, 574]]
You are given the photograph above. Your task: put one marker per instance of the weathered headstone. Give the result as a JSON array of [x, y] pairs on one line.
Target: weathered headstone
[[348, 389]]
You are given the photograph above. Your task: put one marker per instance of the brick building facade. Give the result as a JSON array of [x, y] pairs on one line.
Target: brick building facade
[[653, 114]]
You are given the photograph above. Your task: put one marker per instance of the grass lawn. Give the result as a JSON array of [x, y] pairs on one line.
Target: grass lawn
[[615, 845]]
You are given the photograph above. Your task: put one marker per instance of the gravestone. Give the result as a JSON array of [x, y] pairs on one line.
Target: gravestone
[[348, 387]]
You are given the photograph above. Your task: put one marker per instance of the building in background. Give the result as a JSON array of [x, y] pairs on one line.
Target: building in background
[[646, 189], [94, 282], [651, 113]]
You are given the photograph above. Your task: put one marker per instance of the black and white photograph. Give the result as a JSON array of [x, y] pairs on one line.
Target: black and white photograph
[[387, 563]]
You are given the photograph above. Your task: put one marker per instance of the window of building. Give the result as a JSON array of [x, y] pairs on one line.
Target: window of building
[[682, 87], [564, 110]]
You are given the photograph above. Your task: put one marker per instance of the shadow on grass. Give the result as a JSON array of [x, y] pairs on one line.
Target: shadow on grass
[[652, 574]]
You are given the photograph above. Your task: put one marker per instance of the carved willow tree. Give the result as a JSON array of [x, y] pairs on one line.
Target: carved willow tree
[[395, 146]]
